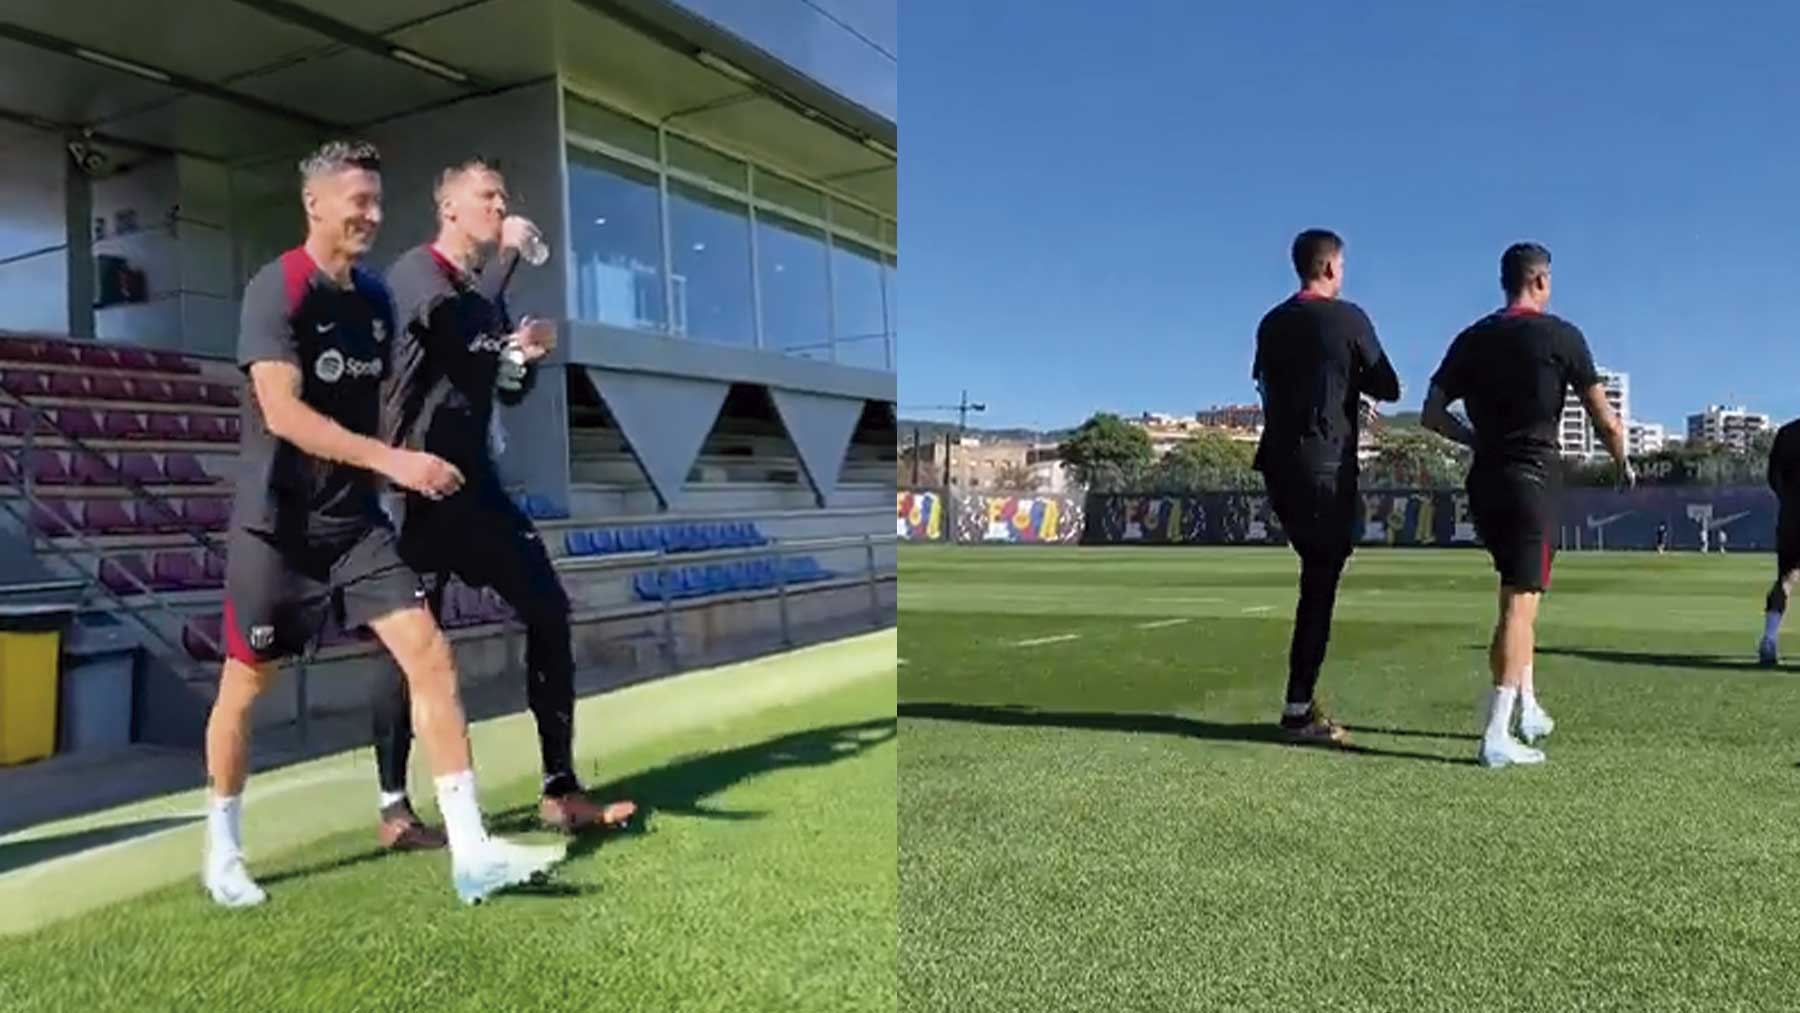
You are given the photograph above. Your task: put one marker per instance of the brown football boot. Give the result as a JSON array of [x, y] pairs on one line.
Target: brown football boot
[[573, 813], [402, 830]]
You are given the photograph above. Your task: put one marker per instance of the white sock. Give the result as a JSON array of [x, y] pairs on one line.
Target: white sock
[[1527, 693], [224, 828], [1295, 710], [1500, 709], [1771, 625], [389, 798], [462, 815]]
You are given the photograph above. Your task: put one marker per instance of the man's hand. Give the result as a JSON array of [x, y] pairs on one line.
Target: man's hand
[[1628, 476], [514, 231], [537, 338], [426, 474], [1369, 412]]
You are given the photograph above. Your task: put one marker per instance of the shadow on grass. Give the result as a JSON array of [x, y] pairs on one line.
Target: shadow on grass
[[685, 786], [1717, 662], [321, 868], [1155, 724], [20, 854]]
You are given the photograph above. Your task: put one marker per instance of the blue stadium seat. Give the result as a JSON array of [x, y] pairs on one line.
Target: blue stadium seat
[[604, 541], [579, 543]]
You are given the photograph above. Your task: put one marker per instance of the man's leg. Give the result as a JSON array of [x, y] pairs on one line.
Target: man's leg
[[1787, 576], [1309, 508], [1320, 573], [227, 768], [1509, 655]]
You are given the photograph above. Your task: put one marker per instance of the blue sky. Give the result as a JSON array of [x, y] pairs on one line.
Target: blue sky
[[1096, 200]]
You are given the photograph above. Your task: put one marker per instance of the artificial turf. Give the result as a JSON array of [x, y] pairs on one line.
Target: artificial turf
[[1096, 812]]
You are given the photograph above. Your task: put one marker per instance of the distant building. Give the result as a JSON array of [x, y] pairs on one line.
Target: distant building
[[1726, 426], [1577, 435], [1646, 438]]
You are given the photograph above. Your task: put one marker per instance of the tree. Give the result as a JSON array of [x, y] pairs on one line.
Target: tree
[[1107, 454], [1011, 477], [1415, 458], [1204, 463]]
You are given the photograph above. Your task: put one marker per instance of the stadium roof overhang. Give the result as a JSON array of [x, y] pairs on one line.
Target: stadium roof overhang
[[244, 81]]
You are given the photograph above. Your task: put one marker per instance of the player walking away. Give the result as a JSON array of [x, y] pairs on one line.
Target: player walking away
[[456, 350], [1784, 478], [1511, 369], [1317, 361], [1705, 536], [308, 541], [1662, 537]]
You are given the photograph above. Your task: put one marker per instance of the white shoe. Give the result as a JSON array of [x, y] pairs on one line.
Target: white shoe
[[1535, 724], [499, 863], [1768, 651], [229, 883], [1507, 751]]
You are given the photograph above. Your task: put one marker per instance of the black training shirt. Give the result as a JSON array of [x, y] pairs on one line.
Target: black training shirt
[[1784, 463], [337, 337], [1512, 370], [439, 396], [1314, 358]]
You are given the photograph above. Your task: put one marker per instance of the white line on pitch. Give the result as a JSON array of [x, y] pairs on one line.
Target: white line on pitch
[[1160, 623], [1186, 601], [1258, 608], [1048, 640]]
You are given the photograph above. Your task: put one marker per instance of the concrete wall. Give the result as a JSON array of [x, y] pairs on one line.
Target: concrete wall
[[523, 128], [31, 218], [182, 243]]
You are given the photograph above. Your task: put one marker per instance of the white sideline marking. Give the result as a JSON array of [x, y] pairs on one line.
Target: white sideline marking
[[1048, 640], [1186, 601], [1160, 623], [1258, 608]]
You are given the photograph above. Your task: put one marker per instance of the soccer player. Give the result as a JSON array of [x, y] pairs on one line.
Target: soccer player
[[1784, 478], [1317, 360], [308, 542], [1511, 370], [1662, 537], [449, 366]]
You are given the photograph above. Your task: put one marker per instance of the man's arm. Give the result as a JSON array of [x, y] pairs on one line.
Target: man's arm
[[277, 387], [1612, 431], [1438, 418], [1375, 374]]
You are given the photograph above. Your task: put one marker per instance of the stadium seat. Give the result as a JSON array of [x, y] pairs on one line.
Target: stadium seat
[[195, 633], [186, 469], [62, 353], [579, 543], [605, 541], [234, 428], [117, 573], [136, 358], [11, 423], [55, 518], [9, 472], [220, 394], [176, 571], [80, 423], [109, 517], [210, 428], [21, 349], [153, 390], [212, 566], [98, 356], [48, 468], [25, 382], [91, 469], [164, 516], [187, 392], [170, 362], [212, 513], [125, 426], [164, 426], [142, 469], [111, 388], [71, 385]]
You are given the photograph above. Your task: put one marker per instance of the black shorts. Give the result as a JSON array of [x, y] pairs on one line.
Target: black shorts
[[1787, 539], [1317, 510], [1515, 511], [481, 537], [279, 597]]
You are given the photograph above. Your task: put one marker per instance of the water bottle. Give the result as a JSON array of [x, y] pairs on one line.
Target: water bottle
[[533, 249], [512, 367]]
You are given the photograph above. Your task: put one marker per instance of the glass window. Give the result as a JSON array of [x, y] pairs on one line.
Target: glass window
[[617, 239], [708, 164], [796, 303], [602, 124], [851, 218], [711, 252], [856, 278], [789, 194]]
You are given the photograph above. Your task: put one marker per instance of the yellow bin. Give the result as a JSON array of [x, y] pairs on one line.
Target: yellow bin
[[30, 643]]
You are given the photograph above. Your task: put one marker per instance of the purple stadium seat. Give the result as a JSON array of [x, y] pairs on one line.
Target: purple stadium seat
[[177, 571], [152, 390], [162, 515], [62, 353], [111, 388], [9, 472], [185, 469], [11, 423], [116, 571], [98, 356], [234, 428], [91, 469], [210, 512], [164, 426], [142, 469], [213, 564], [136, 359], [48, 468], [80, 423], [125, 426], [210, 428], [54, 517], [25, 382], [21, 349], [187, 392], [196, 632], [170, 362], [109, 517], [72, 385], [222, 395]]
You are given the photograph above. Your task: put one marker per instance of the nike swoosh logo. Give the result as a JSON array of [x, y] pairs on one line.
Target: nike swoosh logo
[[1600, 522], [1719, 522], [327, 328]]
